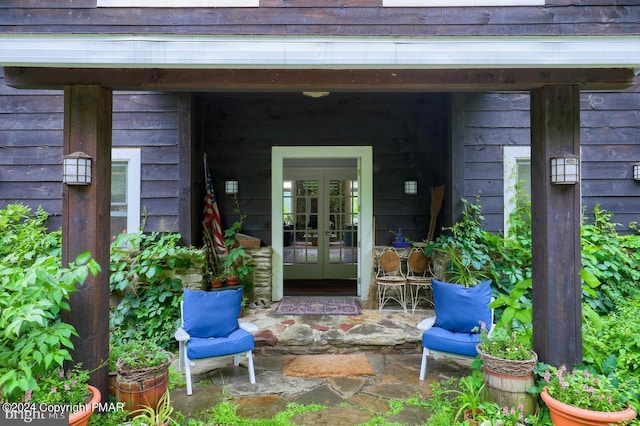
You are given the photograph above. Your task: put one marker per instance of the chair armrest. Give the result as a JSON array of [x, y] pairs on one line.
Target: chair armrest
[[181, 335], [491, 329], [247, 326], [426, 323]]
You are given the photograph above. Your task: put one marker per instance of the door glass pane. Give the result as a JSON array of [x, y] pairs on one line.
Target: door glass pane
[[300, 209], [118, 198], [343, 229]]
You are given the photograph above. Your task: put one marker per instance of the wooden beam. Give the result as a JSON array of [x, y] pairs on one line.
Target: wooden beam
[[555, 211], [86, 222], [408, 80], [189, 169]]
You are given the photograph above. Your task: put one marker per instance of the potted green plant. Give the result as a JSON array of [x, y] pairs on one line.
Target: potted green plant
[[66, 387], [237, 264], [217, 281], [582, 397], [508, 361], [143, 373], [468, 398], [507, 351], [154, 416]]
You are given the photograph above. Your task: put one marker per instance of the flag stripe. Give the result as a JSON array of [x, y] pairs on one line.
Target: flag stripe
[[211, 214]]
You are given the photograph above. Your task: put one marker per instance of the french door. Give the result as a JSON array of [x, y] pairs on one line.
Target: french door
[[321, 214]]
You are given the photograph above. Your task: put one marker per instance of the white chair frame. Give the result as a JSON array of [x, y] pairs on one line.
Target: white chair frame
[[183, 360], [427, 324]]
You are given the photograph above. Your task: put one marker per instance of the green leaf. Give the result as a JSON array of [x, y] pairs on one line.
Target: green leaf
[[589, 278]]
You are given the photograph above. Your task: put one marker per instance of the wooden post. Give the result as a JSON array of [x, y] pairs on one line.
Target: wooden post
[[86, 225], [556, 210]]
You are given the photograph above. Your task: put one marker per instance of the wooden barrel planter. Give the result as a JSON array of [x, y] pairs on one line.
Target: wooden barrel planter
[[507, 382], [142, 388]]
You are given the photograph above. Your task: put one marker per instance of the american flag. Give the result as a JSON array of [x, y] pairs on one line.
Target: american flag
[[211, 214]]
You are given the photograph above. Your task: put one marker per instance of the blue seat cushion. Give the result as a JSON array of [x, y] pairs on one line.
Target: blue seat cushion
[[462, 309], [439, 339], [238, 341], [211, 313]]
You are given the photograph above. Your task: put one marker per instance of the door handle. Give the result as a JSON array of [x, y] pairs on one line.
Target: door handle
[[327, 233]]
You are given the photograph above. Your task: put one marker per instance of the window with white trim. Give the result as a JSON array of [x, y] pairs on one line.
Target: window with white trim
[[516, 174], [125, 190]]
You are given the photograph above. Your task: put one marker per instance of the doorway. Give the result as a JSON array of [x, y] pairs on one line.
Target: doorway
[[320, 210], [322, 219]]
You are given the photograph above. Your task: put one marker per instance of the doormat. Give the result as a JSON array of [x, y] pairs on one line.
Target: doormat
[[327, 365], [318, 305]]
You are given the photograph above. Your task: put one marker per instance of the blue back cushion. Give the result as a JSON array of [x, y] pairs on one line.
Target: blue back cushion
[[211, 313], [461, 309]]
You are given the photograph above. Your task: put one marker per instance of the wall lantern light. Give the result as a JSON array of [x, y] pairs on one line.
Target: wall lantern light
[[410, 187], [230, 186], [565, 170], [636, 171], [76, 169]]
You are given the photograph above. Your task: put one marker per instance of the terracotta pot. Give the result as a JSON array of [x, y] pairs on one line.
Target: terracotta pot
[[568, 415], [81, 418], [468, 417], [231, 281], [216, 283]]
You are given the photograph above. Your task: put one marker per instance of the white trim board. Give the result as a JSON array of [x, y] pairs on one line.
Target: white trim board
[[364, 156], [300, 52], [460, 3], [178, 3]]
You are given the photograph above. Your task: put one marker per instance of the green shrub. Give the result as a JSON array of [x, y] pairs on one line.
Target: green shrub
[[611, 343], [141, 272], [612, 259], [25, 236], [33, 340], [35, 290]]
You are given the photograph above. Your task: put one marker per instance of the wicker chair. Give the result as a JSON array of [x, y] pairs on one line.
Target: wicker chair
[[419, 278], [390, 281]]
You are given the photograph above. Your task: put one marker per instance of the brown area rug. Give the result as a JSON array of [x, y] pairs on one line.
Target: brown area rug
[[328, 365], [318, 305]]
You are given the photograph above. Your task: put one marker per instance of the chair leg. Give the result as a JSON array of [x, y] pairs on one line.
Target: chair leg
[[236, 360], [252, 374], [423, 364], [180, 355], [187, 373]]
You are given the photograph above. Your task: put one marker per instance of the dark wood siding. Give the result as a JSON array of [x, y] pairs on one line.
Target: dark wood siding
[[325, 17], [31, 126], [150, 121], [407, 132], [31, 149], [610, 131]]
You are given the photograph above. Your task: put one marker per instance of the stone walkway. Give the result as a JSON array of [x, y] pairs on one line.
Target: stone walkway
[[389, 339]]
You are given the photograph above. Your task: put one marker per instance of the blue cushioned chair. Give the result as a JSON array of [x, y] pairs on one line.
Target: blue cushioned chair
[[460, 311], [210, 329]]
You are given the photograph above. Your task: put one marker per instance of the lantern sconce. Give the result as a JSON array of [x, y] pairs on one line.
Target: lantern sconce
[[565, 170], [411, 187], [636, 172], [76, 169], [230, 186]]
